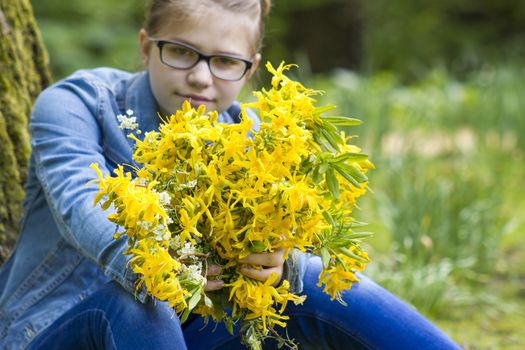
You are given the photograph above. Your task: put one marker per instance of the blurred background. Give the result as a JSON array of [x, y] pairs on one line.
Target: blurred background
[[440, 86]]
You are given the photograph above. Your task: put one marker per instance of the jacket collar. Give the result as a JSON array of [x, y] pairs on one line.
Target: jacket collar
[[140, 100]]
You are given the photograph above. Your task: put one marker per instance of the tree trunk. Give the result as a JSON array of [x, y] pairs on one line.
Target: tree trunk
[[24, 72]]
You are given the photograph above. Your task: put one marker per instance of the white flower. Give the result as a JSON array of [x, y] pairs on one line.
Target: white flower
[[145, 225], [187, 249], [127, 122], [164, 198], [189, 184], [193, 273], [162, 233], [129, 112]]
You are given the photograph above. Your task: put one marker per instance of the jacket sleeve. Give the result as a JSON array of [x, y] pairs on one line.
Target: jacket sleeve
[[66, 137]]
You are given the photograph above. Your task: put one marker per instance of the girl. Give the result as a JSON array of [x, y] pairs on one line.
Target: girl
[[67, 284]]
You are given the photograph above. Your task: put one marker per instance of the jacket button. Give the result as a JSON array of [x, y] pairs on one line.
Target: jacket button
[[29, 332]]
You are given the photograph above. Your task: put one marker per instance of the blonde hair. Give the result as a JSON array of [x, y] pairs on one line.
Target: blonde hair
[[183, 10]]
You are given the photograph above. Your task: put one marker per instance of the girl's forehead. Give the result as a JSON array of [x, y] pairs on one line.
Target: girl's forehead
[[214, 30]]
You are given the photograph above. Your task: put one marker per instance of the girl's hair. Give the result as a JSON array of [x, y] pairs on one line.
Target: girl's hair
[[184, 10]]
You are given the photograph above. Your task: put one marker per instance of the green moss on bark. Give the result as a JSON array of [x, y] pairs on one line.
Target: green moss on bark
[[24, 72]]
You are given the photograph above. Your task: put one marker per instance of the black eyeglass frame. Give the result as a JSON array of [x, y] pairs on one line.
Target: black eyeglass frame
[[160, 44]]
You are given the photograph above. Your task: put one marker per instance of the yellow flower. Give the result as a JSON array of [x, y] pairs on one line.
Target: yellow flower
[[188, 227], [159, 272], [336, 279], [207, 190], [260, 298]]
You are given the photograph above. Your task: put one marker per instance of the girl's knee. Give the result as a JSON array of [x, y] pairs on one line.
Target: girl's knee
[[124, 304]]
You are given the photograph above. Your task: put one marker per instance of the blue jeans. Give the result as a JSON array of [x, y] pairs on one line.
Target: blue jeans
[[374, 319]]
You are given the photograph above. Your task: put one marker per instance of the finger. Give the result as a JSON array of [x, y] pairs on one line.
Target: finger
[[213, 270], [213, 285], [273, 259], [264, 274]]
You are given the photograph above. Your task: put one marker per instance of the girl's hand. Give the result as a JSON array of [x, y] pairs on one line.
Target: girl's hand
[[269, 263], [211, 284]]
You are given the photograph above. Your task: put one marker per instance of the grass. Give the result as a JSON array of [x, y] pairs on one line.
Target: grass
[[448, 195]]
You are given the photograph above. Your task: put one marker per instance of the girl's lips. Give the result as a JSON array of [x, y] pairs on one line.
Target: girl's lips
[[196, 98]]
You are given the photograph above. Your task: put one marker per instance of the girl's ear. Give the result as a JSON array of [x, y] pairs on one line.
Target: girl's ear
[[253, 69], [145, 46]]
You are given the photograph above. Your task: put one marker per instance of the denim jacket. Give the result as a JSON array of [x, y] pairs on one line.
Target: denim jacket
[[66, 249]]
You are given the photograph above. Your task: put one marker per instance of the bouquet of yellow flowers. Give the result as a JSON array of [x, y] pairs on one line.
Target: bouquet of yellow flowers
[[213, 192]]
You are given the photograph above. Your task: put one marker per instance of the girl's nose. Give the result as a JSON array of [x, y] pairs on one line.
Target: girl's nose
[[200, 75]]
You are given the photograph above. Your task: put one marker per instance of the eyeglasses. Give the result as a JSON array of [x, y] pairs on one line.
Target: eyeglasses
[[181, 56]]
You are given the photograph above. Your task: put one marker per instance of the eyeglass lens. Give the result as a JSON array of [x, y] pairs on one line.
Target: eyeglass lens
[[181, 57]]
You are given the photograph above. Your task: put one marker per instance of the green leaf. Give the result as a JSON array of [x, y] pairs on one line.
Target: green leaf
[[184, 315], [257, 247], [346, 175], [351, 170], [106, 205], [350, 254], [320, 110], [329, 218], [323, 168], [317, 137], [333, 183], [195, 298], [325, 256], [350, 156], [358, 235], [207, 301], [330, 127], [229, 325], [357, 174], [355, 224], [343, 121], [331, 138], [316, 175]]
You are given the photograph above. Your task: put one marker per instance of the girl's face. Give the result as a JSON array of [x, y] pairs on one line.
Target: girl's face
[[214, 32]]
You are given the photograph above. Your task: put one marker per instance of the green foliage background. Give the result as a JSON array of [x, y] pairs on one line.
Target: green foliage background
[[406, 36], [82, 34], [411, 36], [448, 194]]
